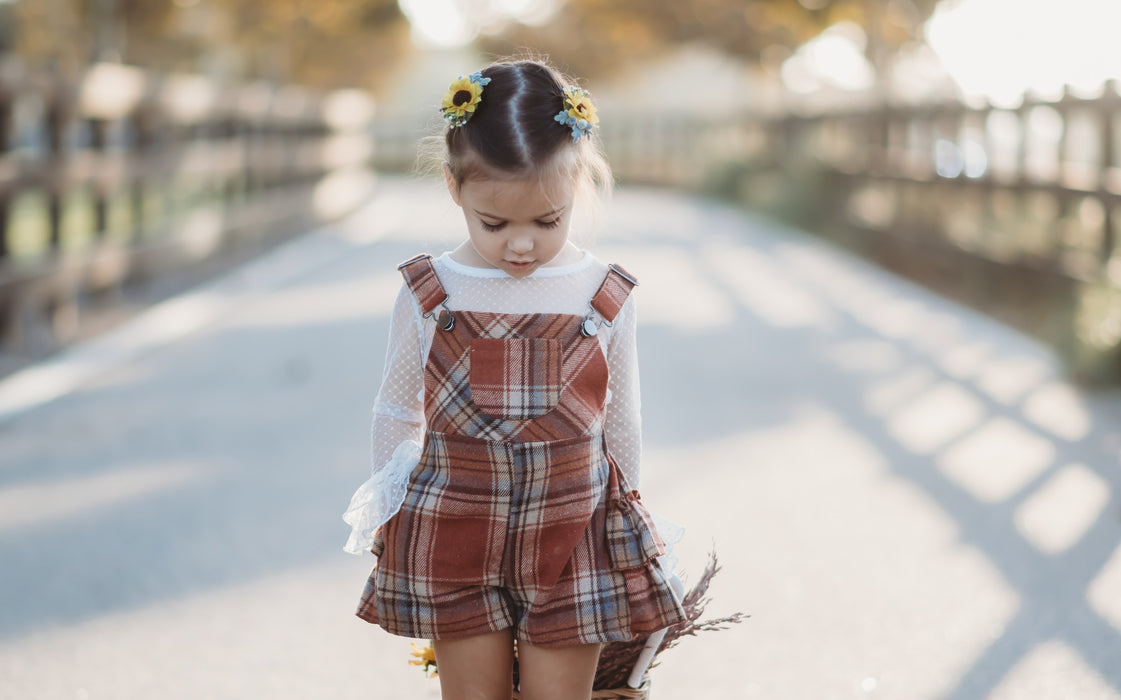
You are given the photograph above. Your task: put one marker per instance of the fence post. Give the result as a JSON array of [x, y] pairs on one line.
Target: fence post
[[57, 119], [7, 106], [8, 307], [99, 129], [1108, 110]]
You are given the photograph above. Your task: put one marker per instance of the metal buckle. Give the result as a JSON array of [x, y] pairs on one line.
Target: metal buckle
[[414, 259], [623, 273]]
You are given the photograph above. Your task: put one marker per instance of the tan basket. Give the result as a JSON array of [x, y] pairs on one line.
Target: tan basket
[[642, 692]]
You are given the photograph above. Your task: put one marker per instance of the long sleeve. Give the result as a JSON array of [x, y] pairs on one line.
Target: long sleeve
[[623, 424], [398, 408], [396, 430]]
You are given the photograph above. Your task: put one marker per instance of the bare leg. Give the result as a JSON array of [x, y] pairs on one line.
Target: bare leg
[[562, 673], [476, 668]]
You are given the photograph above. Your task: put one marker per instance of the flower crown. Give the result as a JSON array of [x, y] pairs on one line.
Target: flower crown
[[465, 94], [462, 98]]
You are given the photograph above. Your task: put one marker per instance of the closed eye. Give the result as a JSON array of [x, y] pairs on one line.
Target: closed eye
[[493, 227], [549, 224]]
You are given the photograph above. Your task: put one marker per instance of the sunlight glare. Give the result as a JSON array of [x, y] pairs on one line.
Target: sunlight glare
[[1102, 593], [455, 23], [835, 58], [1001, 49], [1056, 516], [998, 460], [930, 421], [1053, 669], [1060, 409], [437, 23]]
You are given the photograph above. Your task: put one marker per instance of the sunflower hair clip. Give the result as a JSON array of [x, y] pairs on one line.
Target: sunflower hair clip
[[579, 114], [462, 98]]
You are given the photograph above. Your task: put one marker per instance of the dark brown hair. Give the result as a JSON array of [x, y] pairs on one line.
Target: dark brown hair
[[513, 132]]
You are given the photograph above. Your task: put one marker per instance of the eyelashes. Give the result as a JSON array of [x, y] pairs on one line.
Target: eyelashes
[[542, 224]]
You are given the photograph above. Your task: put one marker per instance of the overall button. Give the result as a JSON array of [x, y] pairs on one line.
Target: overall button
[[445, 320]]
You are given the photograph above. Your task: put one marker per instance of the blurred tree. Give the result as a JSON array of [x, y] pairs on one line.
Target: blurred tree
[[324, 43], [7, 26], [589, 35], [318, 42]]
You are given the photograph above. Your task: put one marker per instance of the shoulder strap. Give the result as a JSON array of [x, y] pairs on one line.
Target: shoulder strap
[[613, 292], [421, 277]]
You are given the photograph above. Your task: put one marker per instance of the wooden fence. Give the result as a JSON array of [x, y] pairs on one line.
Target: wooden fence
[[122, 175], [1014, 210]]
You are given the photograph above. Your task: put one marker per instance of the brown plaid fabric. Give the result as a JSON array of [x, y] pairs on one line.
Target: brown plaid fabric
[[516, 378], [448, 404], [423, 282], [516, 516], [613, 292]]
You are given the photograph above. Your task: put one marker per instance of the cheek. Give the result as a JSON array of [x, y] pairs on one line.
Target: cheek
[[487, 242]]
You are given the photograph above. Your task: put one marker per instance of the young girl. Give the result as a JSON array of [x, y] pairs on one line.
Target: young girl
[[506, 431]]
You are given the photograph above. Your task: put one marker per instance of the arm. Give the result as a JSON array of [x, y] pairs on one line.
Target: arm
[[396, 431], [623, 425], [398, 408]]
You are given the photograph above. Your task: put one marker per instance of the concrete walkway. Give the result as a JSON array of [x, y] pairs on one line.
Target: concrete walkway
[[907, 498]]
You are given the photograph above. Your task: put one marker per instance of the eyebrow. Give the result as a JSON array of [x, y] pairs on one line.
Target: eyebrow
[[546, 215]]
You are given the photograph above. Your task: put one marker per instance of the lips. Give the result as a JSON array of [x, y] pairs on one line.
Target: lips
[[519, 265]]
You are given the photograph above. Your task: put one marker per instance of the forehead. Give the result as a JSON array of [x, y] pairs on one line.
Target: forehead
[[510, 197]]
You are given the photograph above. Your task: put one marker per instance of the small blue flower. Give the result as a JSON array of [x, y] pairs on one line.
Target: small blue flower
[[578, 126]]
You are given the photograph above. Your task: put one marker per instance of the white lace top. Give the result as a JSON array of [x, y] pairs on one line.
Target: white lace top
[[398, 421]]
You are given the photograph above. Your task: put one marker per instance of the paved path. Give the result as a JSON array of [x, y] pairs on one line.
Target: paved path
[[906, 497]]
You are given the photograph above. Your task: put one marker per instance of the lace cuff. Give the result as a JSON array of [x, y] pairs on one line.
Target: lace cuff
[[380, 497]]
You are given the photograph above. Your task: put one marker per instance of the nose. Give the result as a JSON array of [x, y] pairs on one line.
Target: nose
[[520, 243]]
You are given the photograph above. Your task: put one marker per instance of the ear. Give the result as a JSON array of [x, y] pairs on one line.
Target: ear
[[453, 189]]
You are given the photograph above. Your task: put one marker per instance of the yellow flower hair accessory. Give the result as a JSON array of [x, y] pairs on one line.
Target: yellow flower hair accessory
[[579, 114], [462, 98]]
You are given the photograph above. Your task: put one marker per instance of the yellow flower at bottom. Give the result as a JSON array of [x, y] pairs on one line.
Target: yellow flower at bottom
[[426, 657]]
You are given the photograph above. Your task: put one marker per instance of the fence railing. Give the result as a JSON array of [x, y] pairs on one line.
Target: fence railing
[[122, 174], [1038, 184], [1014, 209]]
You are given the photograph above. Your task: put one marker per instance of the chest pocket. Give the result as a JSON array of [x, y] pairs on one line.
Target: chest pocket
[[516, 378]]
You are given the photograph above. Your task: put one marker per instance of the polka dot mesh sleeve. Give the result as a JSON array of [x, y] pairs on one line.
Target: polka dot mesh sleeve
[[623, 425], [398, 409]]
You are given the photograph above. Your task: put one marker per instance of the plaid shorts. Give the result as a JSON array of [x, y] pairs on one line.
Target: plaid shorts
[[538, 536]]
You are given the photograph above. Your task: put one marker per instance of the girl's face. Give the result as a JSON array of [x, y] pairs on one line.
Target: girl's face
[[516, 224]]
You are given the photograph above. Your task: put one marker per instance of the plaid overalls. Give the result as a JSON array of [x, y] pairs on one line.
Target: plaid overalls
[[516, 516]]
